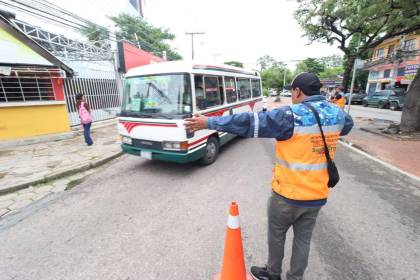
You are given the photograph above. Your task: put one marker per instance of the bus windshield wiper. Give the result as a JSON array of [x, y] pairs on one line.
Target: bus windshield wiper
[[163, 116], [136, 114]]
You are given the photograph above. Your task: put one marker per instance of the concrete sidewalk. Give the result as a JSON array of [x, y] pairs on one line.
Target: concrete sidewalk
[[404, 155], [23, 166]]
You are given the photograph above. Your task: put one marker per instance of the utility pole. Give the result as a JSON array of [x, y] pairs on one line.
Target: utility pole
[[215, 55], [353, 78], [284, 78], [192, 41], [137, 40]]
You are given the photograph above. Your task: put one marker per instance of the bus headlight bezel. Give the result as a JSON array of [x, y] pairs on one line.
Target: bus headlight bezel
[[127, 140], [178, 146]]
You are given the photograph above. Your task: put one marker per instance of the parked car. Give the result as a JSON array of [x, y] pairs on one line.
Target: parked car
[[396, 102], [384, 98], [273, 92], [356, 98], [286, 93]]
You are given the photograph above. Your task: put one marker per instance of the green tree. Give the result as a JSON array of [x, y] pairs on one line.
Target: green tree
[[314, 65], [95, 33], [235, 63], [266, 62], [373, 21], [274, 77], [311, 65], [332, 61], [151, 39], [331, 72], [301, 67]]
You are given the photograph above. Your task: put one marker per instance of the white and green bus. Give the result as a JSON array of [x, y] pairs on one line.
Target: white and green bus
[[158, 97]]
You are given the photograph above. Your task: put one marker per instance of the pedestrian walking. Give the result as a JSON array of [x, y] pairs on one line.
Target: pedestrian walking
[[304, 170], [85, 116]]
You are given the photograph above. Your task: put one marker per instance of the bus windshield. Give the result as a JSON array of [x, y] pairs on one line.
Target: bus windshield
[[157, 96]]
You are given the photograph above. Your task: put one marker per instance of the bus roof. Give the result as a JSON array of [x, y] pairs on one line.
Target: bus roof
[[188, 67]]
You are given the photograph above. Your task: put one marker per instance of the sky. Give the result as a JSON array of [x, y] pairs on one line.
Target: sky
[[241, 30]]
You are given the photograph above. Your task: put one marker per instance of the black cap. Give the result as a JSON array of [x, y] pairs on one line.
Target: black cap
[[309, 83]]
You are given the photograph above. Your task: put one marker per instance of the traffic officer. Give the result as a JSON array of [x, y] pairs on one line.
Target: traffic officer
[[300, 176]]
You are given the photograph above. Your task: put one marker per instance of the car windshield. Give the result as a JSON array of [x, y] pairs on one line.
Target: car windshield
[[393, 92], [398, 92], [157, 96], [382, 93]]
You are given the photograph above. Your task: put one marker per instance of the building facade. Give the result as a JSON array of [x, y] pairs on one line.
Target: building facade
[[394, 63], [139, 6], [32, 101]]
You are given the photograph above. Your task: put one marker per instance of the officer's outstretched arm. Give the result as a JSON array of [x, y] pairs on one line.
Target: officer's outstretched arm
[[348, 125], [277, 123]]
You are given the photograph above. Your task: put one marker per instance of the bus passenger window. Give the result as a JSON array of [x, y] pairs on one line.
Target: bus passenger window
[[212, 91], [256, 88], [244, 88], [230, 90], [199, 93]]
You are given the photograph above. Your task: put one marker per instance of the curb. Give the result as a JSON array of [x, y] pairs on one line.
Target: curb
[[67, 172], [359, 150], [389, 136], [77, 129]]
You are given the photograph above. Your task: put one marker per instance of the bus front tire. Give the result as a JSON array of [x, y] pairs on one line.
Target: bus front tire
[[212, 151]]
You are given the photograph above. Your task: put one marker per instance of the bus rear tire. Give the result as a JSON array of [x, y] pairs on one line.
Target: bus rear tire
[[212, 151]]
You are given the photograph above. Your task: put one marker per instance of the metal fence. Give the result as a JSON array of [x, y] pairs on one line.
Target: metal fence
[[22, 84], [102, 96]]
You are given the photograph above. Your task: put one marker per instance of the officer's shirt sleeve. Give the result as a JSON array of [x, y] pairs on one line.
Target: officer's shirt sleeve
[[348, 125], [277, 123]]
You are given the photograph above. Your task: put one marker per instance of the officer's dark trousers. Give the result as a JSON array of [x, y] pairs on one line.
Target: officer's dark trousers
[[282, 216]]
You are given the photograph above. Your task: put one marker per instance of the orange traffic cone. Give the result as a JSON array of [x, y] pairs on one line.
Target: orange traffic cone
[[233, 267]]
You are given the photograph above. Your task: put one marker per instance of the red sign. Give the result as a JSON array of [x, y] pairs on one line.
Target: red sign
[[130, 56]]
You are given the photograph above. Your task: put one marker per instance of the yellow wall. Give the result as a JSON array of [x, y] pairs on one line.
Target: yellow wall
[[27, 121], [396, 42]]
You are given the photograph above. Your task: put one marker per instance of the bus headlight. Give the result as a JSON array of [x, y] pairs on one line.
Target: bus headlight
[[126, 140], [175, 146]]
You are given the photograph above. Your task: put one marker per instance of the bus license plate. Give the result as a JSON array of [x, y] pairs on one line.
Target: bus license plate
[[146, 155]]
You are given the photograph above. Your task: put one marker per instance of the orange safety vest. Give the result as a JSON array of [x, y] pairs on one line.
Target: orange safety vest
[[301, 169], [341, 102]]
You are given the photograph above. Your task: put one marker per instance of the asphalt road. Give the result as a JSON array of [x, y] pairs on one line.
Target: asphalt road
[[137, 219], [374, 113]]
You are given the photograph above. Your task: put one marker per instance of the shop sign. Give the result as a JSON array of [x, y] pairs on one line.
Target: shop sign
[[410, 72]]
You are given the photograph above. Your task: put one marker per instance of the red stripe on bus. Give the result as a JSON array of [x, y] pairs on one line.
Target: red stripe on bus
[[130, 125], [198, 141], [219, 113], [211, 67]]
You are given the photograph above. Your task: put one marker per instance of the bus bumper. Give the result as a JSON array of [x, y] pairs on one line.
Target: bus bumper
[[166, 155]]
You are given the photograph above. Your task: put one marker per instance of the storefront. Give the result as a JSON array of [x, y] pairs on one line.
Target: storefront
[[31, 87]]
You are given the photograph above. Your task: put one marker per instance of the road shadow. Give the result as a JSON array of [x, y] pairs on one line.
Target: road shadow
[[182, 169]]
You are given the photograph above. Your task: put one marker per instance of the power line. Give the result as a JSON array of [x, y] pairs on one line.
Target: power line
[[39, 15], [110, 33], [52, 17], [63, 11], [44, 12]]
